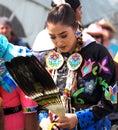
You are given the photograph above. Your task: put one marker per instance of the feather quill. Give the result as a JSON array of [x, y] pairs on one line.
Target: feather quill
[[36, 83]]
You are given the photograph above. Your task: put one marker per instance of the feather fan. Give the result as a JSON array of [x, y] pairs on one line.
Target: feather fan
[[36, 83]]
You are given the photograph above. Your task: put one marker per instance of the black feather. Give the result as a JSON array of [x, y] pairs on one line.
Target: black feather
[[35, 81]]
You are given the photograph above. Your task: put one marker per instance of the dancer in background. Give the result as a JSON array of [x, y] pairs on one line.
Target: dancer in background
[[20, 112]]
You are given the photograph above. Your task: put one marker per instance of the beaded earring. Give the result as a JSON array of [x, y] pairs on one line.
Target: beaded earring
[[78, 35]]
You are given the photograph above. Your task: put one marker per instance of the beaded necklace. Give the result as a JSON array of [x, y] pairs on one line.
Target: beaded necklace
[[55, 60]]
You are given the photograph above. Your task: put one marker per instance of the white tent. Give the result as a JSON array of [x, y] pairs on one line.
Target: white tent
[[96, 9], [31, 14]]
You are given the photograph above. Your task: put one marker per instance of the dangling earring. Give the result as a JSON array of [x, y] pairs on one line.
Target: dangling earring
[[78, 33]]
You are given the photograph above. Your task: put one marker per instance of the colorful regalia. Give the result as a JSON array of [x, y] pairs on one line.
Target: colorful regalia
[[96, 91], [14, 101]]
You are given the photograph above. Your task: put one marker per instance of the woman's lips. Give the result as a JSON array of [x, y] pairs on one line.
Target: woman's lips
[[63, 48]]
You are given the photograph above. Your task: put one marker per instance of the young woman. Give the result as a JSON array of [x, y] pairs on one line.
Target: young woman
[[37, 45], [86, 69]]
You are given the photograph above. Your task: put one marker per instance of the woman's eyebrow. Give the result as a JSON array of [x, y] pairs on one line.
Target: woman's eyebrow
[[58, 34], [62, 33]]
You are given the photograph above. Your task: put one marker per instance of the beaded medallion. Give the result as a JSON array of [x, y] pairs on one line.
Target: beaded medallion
[[74, 61], [54, 60]]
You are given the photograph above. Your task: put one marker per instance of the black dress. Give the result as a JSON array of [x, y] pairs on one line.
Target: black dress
[[96, 78]]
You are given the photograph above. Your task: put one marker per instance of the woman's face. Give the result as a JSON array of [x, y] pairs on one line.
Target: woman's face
[[6, 31], [62, 36]]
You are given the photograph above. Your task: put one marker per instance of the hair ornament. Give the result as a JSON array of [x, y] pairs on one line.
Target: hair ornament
[[59, 2]]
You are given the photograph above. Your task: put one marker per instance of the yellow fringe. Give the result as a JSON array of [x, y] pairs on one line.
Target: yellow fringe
[[51, 125]]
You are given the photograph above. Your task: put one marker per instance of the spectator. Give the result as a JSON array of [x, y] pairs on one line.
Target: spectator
[[76, 6], [96, 31], [110, 31], [6, 30]]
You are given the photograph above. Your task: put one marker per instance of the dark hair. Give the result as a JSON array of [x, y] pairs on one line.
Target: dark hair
[[65, 15], [53, 4], [74, 3], [62, 14], [5, 21]]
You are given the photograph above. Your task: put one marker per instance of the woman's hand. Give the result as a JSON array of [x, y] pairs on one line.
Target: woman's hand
[[49, 123], [44, 124], [69, 121]]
